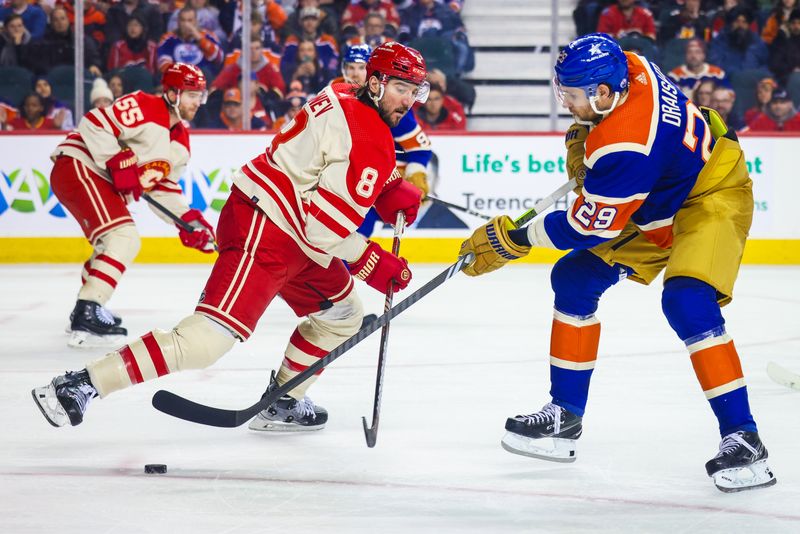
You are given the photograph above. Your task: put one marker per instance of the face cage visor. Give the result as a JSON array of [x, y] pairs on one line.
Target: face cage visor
[[580, 96], [421, 91]]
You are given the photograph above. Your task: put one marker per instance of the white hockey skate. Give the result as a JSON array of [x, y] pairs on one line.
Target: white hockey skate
[[94, 326], [741, 464], [549, 434], [290, 415], [64, 400]]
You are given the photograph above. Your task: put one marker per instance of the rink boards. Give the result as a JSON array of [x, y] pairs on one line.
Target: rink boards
[[491, 173]]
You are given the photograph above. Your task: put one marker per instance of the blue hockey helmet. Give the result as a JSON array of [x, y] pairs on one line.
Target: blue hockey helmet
[[357, 54], [592, 60]]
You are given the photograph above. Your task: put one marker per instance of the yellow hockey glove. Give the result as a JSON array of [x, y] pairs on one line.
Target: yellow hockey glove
[[576, 148], [419, 179], [492, 247]]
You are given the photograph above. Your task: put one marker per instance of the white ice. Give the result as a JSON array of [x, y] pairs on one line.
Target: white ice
[[460, 361]]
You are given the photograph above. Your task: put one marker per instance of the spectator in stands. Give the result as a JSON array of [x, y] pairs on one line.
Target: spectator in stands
[[426, 18], [14, 39], [587, 14], [327, 51], [94, 20], [189, 44], [353, 17], [785, 52], [764, 89], [689, 75], [294, 102], [685, 22], [329, 19], [267, 75], [230, 14], [778, 20], [702, 95], [737, 47], [437, 77], [723, 99], [31, 116], [57, 47], [781, 115], [117, 86], [101, 96], [625, 18], [306, 68], [269, 41], [7, 114], [54, 109], [33, 16], [230, 117], [719, 20], [135, 48], [207, 19], [433, 116], [374, 31], [119, 13]]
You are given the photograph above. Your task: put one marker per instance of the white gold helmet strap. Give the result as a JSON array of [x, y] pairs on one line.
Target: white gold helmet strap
[[174, 105], [593, 104]]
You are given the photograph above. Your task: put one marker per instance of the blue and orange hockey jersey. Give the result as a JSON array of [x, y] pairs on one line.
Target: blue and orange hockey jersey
[[642, 161]]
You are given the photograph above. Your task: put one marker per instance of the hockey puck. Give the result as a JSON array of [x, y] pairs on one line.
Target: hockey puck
[[159, 469]]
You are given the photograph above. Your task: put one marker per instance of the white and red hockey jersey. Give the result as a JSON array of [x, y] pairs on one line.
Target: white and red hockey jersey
[[322, 173], [141, 122]]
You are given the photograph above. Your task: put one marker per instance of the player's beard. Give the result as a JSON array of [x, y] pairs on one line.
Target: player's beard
[[387, 115]]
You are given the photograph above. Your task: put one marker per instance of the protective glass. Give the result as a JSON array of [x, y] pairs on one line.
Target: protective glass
[[570, 96]]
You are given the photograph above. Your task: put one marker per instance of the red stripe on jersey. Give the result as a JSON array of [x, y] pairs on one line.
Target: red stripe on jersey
[[82, 148], [94, 120], [131, 365], [112, 262], [155, 354], [329, 222], [167, 189], [277, 178], [114, 128], [306, 346], [297, 367], [340, 204], [103, 276], [599, 216], [223, 319], [661, 237]]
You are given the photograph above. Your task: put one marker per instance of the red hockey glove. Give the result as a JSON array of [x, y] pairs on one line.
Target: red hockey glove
[[202, 238], [124, 173], [378, 268], [399, 195]]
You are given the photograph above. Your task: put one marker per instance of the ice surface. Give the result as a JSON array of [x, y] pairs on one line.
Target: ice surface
[[460, 361]]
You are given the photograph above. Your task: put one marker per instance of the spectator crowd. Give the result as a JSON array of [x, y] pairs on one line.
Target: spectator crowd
[[296, 48], [740, 57]]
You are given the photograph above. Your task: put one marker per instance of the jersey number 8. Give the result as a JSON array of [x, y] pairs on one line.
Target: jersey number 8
[[366, 185]]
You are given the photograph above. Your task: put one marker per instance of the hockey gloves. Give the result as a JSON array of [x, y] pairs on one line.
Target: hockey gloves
[[398, 195], [124, 170], [379, 268], [492, 247], [420, 180], [202, 238], [575, 141]]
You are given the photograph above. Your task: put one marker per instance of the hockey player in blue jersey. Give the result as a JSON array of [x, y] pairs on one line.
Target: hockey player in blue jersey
[[666, 187], [412, 146]]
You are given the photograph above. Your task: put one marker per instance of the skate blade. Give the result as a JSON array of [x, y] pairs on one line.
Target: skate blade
[[550, 449], [86, 340], [40, 399], [755, 476], [263, 425]]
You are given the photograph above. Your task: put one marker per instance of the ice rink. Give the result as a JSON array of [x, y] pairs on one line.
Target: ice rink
[[463, 359]]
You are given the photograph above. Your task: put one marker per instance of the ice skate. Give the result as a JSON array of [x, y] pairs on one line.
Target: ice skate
[[65, 399], [548, 434], [289, 414], [94, 326], [741, 463], [368, 319], [68, 329]]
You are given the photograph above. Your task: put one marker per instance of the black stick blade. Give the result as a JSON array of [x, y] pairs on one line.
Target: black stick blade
[[369, 433], [176, 406]]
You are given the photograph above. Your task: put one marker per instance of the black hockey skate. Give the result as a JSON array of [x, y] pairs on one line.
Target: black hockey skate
[[368, 319], [548, 434], [65, 399], [117, 319], [741, 463], [289, 415], [94, 326]]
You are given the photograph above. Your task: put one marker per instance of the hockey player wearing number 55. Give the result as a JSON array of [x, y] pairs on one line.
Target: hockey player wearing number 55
[[289, 222], [138, 144], [666, 187]]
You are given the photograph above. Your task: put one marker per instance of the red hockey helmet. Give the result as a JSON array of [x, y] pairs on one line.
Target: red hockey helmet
[[184, 77], [394, 60]]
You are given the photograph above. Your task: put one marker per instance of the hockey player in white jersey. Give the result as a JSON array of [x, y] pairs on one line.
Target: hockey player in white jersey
[[289, 222], [138, 144]]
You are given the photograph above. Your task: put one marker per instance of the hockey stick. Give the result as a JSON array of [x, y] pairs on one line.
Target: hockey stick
[[783, 376], [457, 207], [371, 432], [177, 220], [182, 408]]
